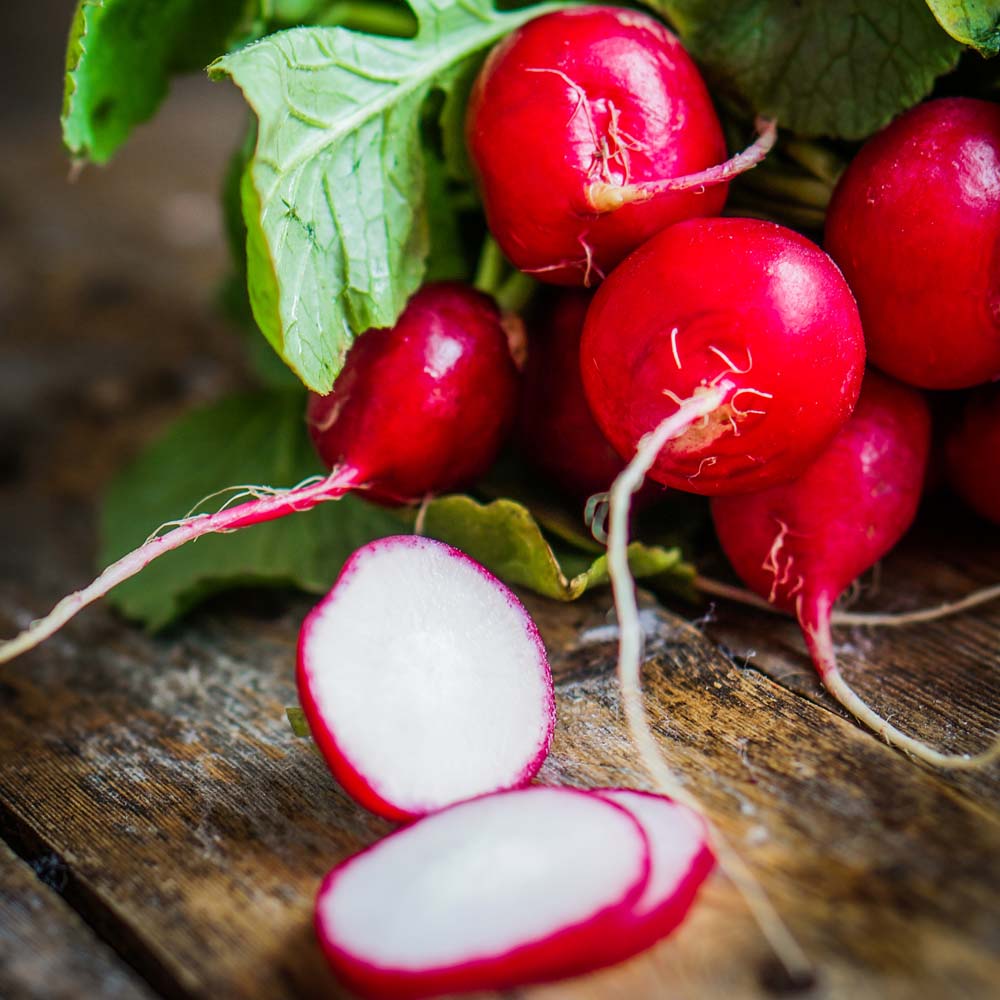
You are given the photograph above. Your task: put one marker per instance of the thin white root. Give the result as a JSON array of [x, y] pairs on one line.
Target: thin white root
[[820, 642], [785, 947], [606, 197], [268, 507], [866, 619]]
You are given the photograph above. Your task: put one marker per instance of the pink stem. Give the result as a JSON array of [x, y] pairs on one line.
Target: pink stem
[[268, 508], [605, 197], [814, 617]]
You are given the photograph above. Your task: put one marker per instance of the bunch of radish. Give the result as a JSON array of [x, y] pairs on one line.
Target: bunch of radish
[[719, 356]]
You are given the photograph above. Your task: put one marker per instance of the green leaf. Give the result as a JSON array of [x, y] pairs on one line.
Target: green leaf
[[256, 438], [334, 198], [840, 68], [971, 22], [120, 56], [507, 540], [298, 722]]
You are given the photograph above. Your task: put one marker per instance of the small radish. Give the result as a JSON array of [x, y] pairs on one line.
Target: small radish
[[803, 543], [424, 680], [972, 452], [680, 860], [503, 890], [915, 225], [556, 429], [750, 324], [590, 130], [418, 409]]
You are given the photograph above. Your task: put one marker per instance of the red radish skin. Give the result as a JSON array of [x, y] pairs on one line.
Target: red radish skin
[[439, 388], [680, 861], [424, 680], [802, 544], [915, 225], [748, 308], [516, 856], [972, 452], [573, 121]]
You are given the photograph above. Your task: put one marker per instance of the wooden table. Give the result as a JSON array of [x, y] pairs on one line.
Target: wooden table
[[164, 832]]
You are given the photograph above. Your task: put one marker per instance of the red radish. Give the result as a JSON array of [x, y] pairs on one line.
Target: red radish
[[585, 126], [973, 455], [746, 312], [680, 860], [802, 544], [489, 894], [556, 429], [915, 225], [417, 409], [424, 679]]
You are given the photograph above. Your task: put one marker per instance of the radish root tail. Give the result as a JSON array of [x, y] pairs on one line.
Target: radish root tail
[[701, 404], [269, 506], [606, 197], [820, 642]]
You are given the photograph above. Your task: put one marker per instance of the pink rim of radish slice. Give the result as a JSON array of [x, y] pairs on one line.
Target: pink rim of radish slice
[[517, 887], [424, 680], [680, 860]]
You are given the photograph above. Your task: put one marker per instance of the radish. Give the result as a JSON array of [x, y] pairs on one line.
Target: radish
[[424, 679], [590, 130], [680, 860], [417, 409], [915, 225], [973, 454], [801, 544], [489, 894], [742, 331]]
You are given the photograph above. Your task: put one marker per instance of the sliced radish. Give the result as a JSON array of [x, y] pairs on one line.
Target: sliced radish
[[424, 679], [680, 860], [511, 888]]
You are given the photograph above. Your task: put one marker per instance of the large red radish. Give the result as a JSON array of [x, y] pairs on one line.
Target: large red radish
[[972, 451], [489, 894], [417, 409], [801, 544], [915, 225], [424, 679], [680, 860], [591, 130]]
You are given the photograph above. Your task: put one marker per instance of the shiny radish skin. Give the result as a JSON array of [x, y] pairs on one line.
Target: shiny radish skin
[[424, 679], [972, 454], [738, 304], [556, 430], [914, 224], [584, 95], [802, 544], [418, 409], [422, 407], [681, 859], [513, 909]]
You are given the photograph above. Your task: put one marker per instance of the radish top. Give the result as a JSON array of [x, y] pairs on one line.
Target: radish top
[[915, 225], [422, 407], [594, 94], [746, 305]]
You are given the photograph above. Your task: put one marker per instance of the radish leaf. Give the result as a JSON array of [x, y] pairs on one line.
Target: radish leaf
[[839, 68], [972, 22], [335, 195]]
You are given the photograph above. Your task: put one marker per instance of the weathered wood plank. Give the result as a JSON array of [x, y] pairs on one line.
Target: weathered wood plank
[[46, 950]]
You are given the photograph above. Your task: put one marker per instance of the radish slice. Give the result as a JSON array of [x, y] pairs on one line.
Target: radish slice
[[680, 860], [424, 680], [488, 894]]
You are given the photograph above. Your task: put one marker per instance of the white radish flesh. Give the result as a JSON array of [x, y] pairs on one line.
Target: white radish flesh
[[424, 679], [506, 889]]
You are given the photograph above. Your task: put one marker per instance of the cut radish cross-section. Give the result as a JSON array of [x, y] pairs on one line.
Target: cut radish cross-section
[[506, 889], [680, 860], [424, 679]]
